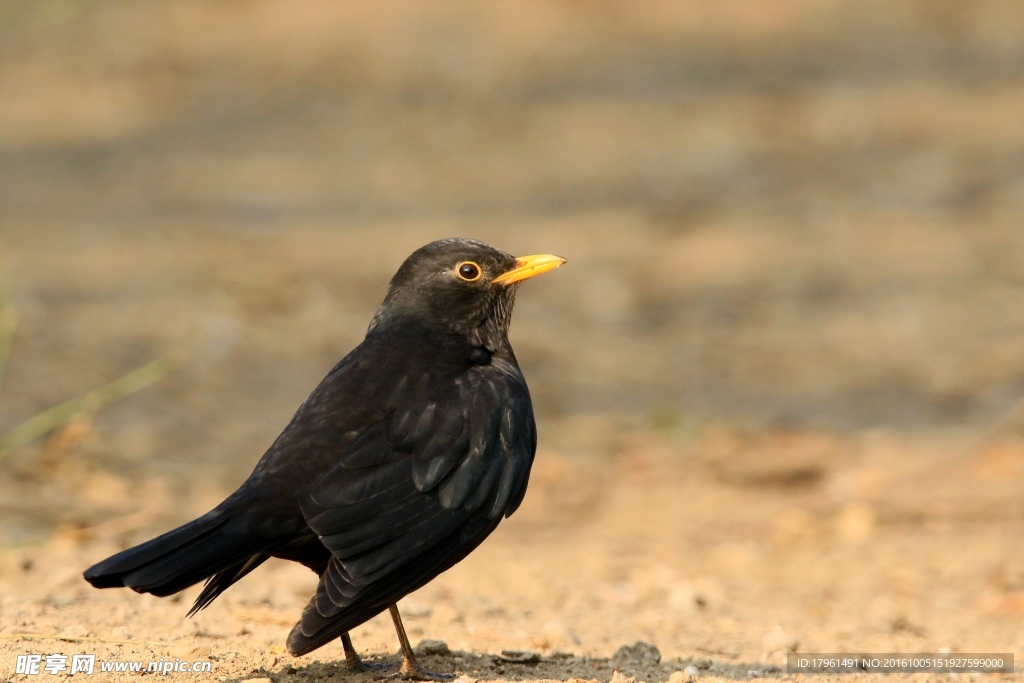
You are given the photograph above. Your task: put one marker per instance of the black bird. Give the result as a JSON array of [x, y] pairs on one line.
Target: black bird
[[404, 458]]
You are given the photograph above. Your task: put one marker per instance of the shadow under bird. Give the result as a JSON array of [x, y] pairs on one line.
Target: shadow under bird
[[401, 462]]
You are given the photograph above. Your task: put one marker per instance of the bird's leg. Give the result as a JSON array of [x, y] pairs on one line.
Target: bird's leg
[[410, 667], [351, 656]]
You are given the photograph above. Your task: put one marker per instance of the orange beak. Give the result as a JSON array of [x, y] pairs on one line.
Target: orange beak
[[529, 266]]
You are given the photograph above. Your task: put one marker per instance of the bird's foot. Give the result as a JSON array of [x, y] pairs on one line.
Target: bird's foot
[[357, 664], [360, 667], [354, 661], [412, 671]]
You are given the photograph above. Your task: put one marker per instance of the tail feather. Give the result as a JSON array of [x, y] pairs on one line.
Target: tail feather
[[222, 580], [178, 559]]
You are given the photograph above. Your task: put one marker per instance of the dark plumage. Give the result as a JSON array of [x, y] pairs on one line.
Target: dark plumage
[[404, 458]]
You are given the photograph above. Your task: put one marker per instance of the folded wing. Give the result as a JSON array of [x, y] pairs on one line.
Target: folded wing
[[415, 493]]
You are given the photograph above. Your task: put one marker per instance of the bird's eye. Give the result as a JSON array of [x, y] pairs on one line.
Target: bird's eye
[[468, 271]]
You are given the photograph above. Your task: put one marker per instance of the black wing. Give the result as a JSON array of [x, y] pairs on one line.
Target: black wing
[[416, 492]]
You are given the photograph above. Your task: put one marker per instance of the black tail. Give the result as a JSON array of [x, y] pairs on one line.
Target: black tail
[[180, 558], [224, 579]]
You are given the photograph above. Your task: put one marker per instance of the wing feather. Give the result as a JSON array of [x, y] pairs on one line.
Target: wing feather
[[341, 487], [417, 490], [446, 447], [354, 539]]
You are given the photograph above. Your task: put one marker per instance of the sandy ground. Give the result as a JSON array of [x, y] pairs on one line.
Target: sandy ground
[[702, 546]]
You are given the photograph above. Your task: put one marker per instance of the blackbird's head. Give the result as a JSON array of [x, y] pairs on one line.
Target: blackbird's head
[[459, 285]]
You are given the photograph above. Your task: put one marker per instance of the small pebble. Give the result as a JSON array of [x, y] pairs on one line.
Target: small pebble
[[432, 647], [637, 654], [691, 670], [517, 657]]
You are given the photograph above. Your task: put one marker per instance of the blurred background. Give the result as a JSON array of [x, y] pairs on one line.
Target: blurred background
[[794, 303]]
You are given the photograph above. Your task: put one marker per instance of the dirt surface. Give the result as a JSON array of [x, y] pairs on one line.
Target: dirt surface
[[717, 554], [779, 384]]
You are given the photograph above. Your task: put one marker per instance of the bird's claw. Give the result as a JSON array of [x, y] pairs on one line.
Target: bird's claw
[[407, 672], [359, 666], [411, 671]]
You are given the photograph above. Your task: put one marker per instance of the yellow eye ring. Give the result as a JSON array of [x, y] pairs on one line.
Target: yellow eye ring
[[468, 271]]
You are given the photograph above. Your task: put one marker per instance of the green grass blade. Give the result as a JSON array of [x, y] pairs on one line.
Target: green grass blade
[[8, 324], [48, 420]]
